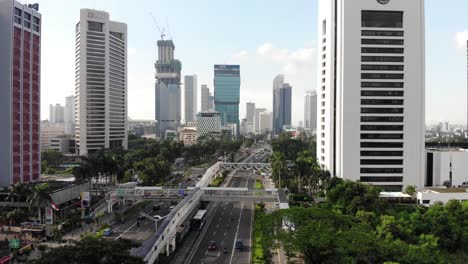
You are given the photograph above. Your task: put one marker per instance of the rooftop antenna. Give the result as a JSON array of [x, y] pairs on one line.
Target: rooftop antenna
[[161, 32]]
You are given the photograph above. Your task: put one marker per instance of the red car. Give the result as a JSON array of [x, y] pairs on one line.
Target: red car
[[212, 245]]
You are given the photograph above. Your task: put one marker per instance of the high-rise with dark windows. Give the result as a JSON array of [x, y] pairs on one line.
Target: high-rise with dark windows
[[20, 70], [282, 104], [371, 91]]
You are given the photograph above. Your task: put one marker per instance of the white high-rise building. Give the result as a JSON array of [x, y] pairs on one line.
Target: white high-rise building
[[70, 115], [265, 122], [310, 111], [56, 114], [371, 91], [257, 119], [101, 82], [190, 85]]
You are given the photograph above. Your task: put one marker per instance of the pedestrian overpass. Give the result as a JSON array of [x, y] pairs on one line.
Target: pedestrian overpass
[[164, 239], [245, 166]]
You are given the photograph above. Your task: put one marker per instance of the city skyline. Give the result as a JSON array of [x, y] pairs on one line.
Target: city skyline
[[261, 56]]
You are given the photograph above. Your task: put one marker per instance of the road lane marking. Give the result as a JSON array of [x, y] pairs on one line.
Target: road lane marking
[[237, 231], [125, 231]]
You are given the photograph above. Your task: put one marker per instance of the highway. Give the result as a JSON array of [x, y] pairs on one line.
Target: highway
[[226, 223], [130, 230]]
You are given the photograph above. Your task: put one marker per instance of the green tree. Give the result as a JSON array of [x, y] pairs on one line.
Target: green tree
[[354, 196], [92, 250], [40, 198]]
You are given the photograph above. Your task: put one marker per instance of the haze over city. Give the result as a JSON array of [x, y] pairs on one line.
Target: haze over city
[[265, 37]]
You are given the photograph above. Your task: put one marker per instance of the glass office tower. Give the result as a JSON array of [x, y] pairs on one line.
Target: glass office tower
[[227, 93]]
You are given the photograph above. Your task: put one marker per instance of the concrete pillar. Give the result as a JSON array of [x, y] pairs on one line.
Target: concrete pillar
[[167, 249]]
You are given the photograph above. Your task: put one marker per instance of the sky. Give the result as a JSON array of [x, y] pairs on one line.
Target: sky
[[266, 37]]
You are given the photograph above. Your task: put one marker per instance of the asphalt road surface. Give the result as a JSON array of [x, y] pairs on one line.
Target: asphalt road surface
[[226, 223], [130, 230]]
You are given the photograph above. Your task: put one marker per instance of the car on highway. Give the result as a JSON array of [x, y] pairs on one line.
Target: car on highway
[[140, 217], [171, 207], [156, 207], [239, 245], [107, 232], [212, 245], [173, 202]]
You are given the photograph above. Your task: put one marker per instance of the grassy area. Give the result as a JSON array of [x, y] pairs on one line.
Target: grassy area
[[258, 254], [258, 184], [216, 182]]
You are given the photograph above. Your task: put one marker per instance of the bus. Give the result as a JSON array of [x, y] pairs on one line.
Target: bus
[[198, 221]]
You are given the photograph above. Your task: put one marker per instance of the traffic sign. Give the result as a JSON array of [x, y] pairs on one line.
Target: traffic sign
[[14, 243], [181, 192]]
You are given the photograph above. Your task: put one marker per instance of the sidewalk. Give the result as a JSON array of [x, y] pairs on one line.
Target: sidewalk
[[75, 234]]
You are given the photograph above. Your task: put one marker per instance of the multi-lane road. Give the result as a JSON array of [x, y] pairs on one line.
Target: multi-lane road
[[226, 223]]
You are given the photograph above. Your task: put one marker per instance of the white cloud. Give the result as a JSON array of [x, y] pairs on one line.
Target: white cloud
[[243, 54], [131, 51], [461, 38]]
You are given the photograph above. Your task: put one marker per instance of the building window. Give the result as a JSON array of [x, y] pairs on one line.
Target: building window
[[382, 93], [27, 24], [382, 110], [382, 50], [18, 11], [381, 153], [36, 20], [381, 179], [381, 136], [324, 27], [382, 84], [381, 162], [393, 76], [382, 19], [381, 145], [379, 67], [382, 170], [382, 33], [387, 119], [382, 41], [382, 58], [95, 26], [17, 20], [382, 127], [381, 102], [426, 201], [27, 16]]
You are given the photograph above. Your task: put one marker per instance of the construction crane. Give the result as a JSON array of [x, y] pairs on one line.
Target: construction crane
[[161, 32]]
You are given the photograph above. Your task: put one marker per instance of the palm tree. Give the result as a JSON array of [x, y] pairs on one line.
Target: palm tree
[[40, 198], [278, 165], [304, 164], [17, 192]]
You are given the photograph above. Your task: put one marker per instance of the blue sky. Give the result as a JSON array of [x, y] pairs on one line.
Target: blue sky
[[266, 37]]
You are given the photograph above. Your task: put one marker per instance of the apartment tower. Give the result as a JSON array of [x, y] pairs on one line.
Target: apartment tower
[[20, 71]]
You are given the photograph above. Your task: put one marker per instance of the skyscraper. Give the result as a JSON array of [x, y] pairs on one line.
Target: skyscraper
[[208, 124], [70, 115], [371, 118], [20, 71], [265, 122], [205, 98], [56, 114], [250, 111], [101, 82], [168, 113], [257, 119], [190, 84], [227, 93], [310, 111], [282, 93]]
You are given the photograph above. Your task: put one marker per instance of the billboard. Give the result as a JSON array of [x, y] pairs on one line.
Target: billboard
[[85, 199]]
